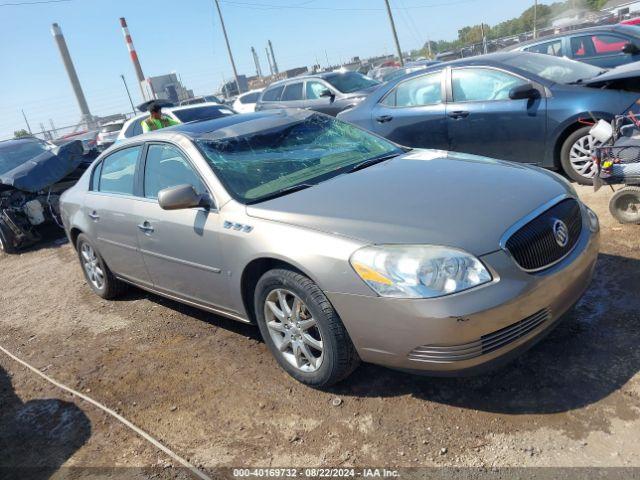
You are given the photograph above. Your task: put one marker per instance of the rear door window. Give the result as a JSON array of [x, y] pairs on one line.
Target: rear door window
[[548, 48], [250, 98], [118, 171], [134, 128], [416, 92], [273, 94], [599, 45], [292, 92]]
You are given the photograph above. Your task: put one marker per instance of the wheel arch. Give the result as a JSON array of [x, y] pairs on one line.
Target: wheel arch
[[74, 233], [575, 123], [252, 273]]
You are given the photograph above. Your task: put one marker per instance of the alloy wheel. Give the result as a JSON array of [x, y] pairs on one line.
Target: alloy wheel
[[580, 156], [293, 330], [91, 266]]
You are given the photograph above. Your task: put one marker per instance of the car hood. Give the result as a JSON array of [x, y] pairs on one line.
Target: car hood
[[45, 169], [623, 72], [363, 92], [422, 197]]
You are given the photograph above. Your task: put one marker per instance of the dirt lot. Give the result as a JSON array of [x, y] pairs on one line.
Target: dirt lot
[[208, 388]]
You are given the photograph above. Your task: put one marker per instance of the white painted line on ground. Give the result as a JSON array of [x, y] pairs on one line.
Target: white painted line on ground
[[198, 473]]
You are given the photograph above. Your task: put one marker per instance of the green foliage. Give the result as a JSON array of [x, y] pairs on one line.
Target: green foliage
[[524, 23], [21, 133]]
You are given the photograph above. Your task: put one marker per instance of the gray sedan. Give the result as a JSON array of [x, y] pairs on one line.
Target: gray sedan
[[340, 245]]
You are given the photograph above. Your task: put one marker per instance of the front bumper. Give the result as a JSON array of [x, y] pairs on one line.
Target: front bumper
[[467, 332]]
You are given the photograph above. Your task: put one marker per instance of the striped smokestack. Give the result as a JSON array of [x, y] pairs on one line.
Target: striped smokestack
[[134, 55]]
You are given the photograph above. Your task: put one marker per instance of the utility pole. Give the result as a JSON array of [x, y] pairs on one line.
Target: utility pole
[[266, 50], [133, 109], [53, 128], [226, 39], [395, 34], [27, 122], [273, 58], [535, 18], [256, 60], [484, 38]]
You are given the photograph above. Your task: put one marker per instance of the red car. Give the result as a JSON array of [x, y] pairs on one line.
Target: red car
[[631, 21]]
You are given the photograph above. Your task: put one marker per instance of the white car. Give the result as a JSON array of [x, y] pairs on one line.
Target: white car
[[185, 114], [246, 103], [108, 133]]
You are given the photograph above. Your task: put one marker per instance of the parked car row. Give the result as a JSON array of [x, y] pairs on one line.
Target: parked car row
[[320, 230]]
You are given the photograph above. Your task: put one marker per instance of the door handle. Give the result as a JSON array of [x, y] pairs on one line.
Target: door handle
[[458, 114], [94, 216], [146, 227], [384, 118]]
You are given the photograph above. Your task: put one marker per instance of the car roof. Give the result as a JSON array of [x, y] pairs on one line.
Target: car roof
[[178, 108], [487, 59], [321, 75], [626, 29], [250, 91], [16, 141], [194, 106]]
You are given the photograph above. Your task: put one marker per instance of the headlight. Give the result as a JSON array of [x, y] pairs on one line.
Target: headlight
[[594, 223], [418, 271]]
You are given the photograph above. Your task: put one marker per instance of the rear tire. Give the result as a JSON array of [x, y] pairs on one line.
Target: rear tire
[[305, 334], [625, 205], [575, 156], [96, 272]]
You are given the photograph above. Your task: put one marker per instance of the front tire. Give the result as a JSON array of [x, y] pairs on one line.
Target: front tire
[[96, 272], [575, 156], [302, 329]]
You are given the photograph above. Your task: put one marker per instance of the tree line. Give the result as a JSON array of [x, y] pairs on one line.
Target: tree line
[[524, 23]]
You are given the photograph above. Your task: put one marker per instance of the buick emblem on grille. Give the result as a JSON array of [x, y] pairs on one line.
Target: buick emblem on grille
[[561, 233]]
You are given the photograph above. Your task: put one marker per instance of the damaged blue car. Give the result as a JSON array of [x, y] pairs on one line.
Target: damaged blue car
[[33, 175]]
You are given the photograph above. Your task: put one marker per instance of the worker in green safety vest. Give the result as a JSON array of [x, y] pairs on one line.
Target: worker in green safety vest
[[157, 120]]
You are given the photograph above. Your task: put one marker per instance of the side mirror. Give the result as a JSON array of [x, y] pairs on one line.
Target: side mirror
[[524, 91], [630, 49], [181, 197], [327, 93]]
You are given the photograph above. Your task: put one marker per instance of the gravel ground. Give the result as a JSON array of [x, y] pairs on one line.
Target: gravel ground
[[208, 388]]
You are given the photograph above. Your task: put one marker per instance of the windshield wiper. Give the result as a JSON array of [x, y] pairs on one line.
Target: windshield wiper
[[371, 161], [581, 80], [282, 192]]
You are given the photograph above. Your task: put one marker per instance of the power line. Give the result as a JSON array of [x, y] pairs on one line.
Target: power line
[[18, 4], [270, 6]]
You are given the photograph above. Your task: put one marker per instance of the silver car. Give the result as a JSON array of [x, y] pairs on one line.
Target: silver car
[[340, 245]]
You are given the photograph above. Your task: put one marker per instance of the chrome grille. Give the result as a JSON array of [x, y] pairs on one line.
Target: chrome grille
[[534, 246], [485, 344]]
